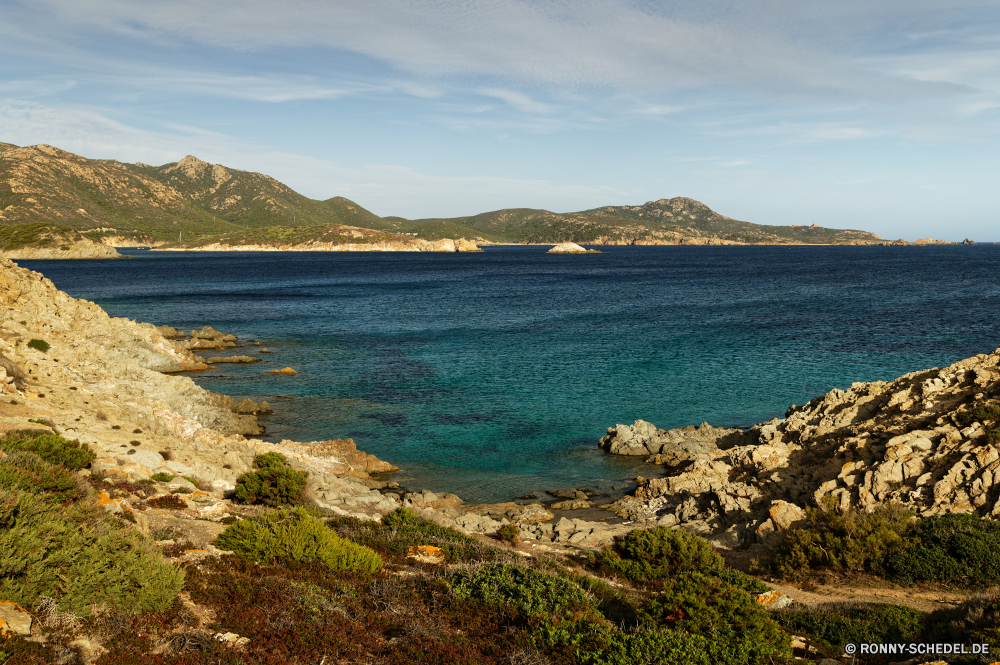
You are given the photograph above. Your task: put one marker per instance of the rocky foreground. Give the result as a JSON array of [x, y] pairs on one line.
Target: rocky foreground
[[911, 441], [114, 384]]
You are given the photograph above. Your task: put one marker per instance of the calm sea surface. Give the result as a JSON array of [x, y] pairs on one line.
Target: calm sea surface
[[493, 375]]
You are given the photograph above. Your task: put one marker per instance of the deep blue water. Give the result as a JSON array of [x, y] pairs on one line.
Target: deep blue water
[[493, 375]]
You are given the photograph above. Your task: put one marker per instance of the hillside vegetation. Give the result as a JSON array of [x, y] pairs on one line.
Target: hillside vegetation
[[191, 200]]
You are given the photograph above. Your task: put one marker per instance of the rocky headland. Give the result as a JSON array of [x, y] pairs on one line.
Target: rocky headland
[[926, 441], [394, 244], [45, 241]]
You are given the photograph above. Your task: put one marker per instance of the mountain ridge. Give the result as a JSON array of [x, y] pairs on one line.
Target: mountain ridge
[[193, 200]]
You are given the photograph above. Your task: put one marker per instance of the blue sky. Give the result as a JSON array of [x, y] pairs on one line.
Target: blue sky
[[881, 115]]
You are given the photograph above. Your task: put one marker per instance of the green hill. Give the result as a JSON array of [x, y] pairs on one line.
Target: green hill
[[138, 203]]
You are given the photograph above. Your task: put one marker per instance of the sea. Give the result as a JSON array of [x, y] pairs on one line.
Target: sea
[[494, 375]]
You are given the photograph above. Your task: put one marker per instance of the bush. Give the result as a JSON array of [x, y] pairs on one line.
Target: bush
[[741, 580], [296, 535], [275, 484], [162, 477], [844, 541], [616, 606], [508, 533], [39, 344], [80, 556], [168, 501], [739, 629], [51, 448], [588, 641], [531, 591], [837, 626], [23, 470], [653, 554], [949, 548], [402, 529]]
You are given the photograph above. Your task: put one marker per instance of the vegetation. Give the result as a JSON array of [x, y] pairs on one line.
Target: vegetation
[[402, 529], [50, 447], [39, 344], [508, 533], [55, 543], [851, 541], [531, 591], [962, 549], [954, 548], [738, 628], [642, 555], [162, 477], [835, 626], [296, 535], [274, 484], [198, 200]]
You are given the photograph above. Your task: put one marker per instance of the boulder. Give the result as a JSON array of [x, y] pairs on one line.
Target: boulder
[[14, 619]]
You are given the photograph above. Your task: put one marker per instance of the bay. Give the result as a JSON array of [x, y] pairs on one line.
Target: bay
[[494, 375]]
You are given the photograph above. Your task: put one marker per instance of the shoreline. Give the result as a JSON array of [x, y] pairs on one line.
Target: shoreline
[[111, 383]]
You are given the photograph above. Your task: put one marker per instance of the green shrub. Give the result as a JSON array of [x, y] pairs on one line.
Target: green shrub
[[402, 529], [949, 548], [977, 620], [508, 533], [844, 541], [275, 484], [270, 461], [837, 626], [296, 535], [532, 591], [652, 554], [50, 447], [80, 556], [162, 477], [27, 471], [741, 580], [588, 641], [615, 605], [39, 344], [738, 628]]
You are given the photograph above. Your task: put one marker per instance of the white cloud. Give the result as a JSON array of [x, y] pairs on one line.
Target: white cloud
[[583, 45], [518, 100]]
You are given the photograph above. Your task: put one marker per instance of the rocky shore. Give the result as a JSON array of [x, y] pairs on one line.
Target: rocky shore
[[114, 384], [407, 245]]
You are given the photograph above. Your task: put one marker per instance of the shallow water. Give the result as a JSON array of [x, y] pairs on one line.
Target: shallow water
[[493, 375]]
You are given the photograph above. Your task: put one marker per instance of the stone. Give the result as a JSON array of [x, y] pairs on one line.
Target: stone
[[286, 370], [571, 248], [773, 600], [14, 619], [427, 554], [785, 515], [571, 505]]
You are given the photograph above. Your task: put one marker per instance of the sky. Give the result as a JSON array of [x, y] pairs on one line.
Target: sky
[[881, 115]]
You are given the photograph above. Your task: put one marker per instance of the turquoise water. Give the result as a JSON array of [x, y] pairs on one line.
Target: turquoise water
[[494, 375]]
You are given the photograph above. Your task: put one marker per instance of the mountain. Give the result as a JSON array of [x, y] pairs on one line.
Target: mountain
[[667, 221], [194, 201], [141, 204]]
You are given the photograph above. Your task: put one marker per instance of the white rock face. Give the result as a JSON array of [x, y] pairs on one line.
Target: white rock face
[[567, 248]]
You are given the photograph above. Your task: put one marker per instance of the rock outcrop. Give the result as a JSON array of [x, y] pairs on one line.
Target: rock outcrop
[[445, 245], [571, 248], [915, 440]]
